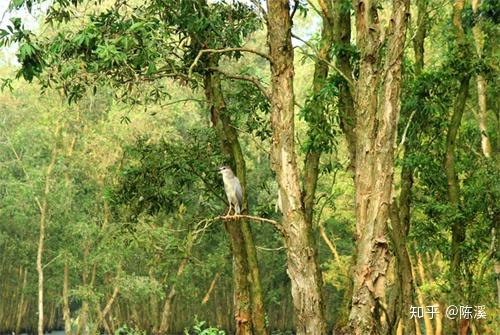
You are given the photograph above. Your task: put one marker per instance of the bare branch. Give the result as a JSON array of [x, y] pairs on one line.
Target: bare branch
[[252, 79], [211, 288], [294, 10], [182, 100], [325, 9], [403, 137], [269, 249], [310, 3], [349, 80], [197, 59], [260, 8]]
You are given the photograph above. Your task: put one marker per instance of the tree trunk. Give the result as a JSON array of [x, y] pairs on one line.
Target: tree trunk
[[257, 300], [66, 310], [303, 269], [378, 104], [315, 116], [342, 39], [102, 314], [458, 227], [400, 217], [43, 207], [481, 84], [400, 220], [418, 41], [20, 310], [247, 291], [167, 306]]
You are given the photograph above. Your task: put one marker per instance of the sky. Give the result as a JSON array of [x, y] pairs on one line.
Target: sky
[[8, 54]]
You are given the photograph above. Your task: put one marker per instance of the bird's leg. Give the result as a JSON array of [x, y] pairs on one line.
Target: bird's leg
[[229, 211], [237, 209]]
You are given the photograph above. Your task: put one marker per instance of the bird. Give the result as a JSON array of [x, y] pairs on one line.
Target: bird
[[233, 190]]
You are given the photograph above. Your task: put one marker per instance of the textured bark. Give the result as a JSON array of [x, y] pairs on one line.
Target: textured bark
[[400, 221], [400, 218], [378, 105], [303, 270]]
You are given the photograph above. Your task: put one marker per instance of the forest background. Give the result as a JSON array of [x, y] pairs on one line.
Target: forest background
[[365, 135]]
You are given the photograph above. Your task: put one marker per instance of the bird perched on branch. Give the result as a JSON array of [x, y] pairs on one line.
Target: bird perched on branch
[[233, 189]]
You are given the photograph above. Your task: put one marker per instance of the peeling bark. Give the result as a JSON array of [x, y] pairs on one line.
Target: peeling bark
[[377, 103], [303, 269]]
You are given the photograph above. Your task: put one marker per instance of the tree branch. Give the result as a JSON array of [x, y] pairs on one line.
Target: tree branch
[[251, 79], [403, 137], [197, 59], [210, 289], [349, 80], [250, 217], [294, 10], [260, 8]]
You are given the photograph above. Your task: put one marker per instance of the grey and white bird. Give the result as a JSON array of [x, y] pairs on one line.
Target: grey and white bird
[[233, 189]]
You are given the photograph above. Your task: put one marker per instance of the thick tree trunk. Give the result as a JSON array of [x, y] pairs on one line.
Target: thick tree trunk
[[378, 104], [303, 269]]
